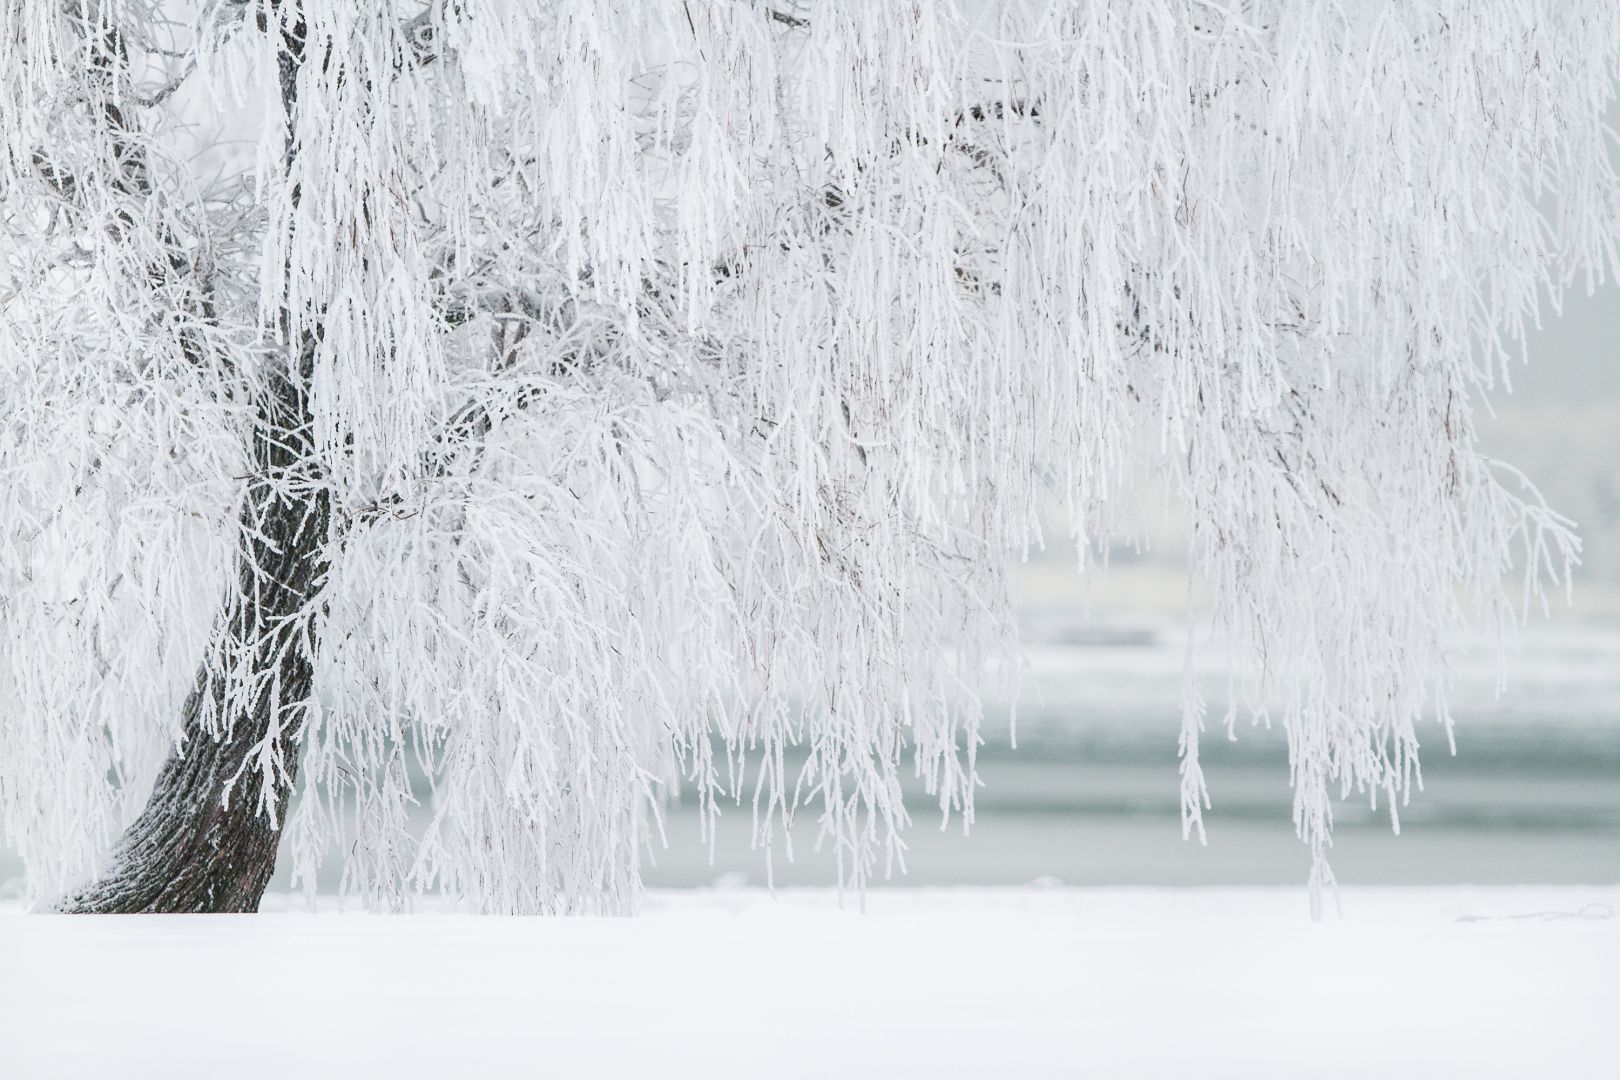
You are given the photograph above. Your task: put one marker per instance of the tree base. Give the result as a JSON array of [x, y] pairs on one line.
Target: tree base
[[191, 850]]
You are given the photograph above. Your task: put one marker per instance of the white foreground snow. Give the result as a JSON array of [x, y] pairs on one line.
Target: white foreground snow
[[1434, 982]]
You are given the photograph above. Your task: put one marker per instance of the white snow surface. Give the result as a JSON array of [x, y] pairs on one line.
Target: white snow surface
[[1477, 982]]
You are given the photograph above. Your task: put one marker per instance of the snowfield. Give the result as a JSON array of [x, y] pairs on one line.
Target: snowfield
[[1464, 982]]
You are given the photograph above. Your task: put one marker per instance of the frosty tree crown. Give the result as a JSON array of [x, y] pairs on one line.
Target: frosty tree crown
[[564, 399]]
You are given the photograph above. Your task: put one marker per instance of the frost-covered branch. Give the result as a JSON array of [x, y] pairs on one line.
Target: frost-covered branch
[[667, 384]]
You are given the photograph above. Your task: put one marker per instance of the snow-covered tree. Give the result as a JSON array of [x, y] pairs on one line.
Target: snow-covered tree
[[564, 399]]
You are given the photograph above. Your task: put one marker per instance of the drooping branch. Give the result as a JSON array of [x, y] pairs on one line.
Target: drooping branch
[[131, 188]]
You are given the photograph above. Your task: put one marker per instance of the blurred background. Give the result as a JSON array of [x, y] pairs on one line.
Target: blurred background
[[1090, 794]]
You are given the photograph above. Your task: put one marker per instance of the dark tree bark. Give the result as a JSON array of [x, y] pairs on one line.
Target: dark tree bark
[[204, 841]]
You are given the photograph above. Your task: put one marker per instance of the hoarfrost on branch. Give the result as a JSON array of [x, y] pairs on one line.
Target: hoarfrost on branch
[[681, 374]]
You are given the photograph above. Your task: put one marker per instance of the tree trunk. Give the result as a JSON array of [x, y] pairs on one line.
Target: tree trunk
[[203, 841]]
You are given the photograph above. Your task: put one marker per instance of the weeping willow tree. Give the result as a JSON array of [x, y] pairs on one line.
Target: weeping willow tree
[[566, 401]]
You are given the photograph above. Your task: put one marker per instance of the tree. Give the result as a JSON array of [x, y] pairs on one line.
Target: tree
[[566, 399]]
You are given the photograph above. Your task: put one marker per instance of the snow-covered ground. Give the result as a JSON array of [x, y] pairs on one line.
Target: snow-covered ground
[[1436, 982]]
